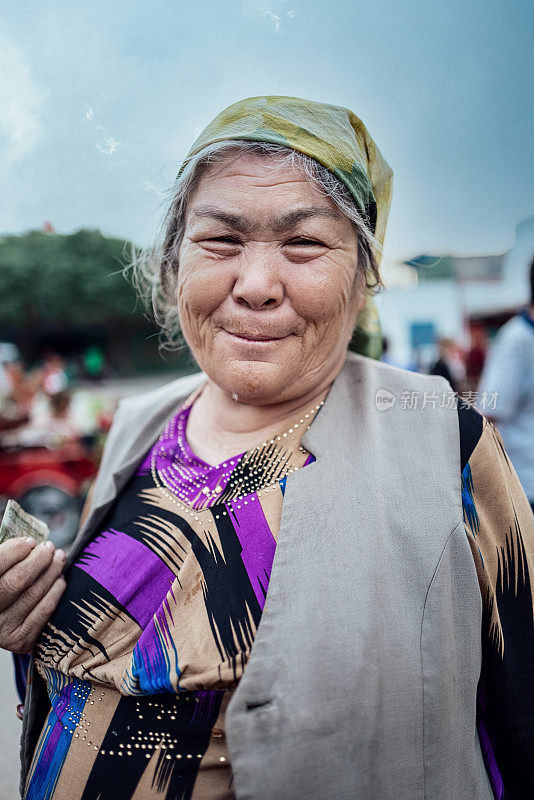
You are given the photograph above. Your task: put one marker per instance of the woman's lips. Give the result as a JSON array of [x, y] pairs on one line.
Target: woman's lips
[[254, 338]]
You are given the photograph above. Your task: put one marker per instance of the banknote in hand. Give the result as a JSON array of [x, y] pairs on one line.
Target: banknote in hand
[[17, 522]]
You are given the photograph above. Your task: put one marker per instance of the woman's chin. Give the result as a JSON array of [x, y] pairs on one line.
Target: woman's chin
[[253, 382]]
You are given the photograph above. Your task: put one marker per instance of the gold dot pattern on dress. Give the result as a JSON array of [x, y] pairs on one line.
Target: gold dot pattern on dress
[[175, 469]]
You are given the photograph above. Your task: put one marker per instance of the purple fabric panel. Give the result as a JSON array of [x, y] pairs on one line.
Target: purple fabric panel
[[57, 730], [130, 571], [185, 473], [257, 542], [52, 743], [144, 466]]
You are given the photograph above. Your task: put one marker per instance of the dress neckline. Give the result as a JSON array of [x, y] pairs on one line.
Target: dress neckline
[[186, 451], [196, 484]]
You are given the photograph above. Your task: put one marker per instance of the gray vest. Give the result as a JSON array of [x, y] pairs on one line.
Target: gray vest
[[362, 680]]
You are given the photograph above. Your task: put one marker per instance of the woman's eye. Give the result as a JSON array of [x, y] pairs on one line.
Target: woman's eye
[[305, 243], [223, 240]]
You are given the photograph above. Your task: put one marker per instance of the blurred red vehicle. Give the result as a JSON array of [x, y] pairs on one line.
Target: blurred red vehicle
[[50, 483]]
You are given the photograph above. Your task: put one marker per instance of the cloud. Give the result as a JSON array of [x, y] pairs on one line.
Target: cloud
[[255, 7], [109, 146], [20, 123], [266, 12]]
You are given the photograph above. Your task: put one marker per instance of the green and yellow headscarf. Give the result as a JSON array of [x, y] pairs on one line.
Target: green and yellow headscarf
[[336, 138]]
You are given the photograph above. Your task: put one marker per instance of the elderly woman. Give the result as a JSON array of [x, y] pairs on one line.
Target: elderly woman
[[304, 573]]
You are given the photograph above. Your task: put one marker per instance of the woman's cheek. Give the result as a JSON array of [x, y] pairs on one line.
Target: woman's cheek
[[322, 296], [201, 287]]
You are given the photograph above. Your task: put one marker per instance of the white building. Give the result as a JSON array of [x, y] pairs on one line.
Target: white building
[[415, 311]]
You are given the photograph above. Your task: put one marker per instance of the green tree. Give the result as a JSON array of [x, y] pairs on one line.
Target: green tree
[[64, 280]]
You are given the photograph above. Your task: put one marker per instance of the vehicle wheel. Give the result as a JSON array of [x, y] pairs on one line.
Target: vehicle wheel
[[59, 510]]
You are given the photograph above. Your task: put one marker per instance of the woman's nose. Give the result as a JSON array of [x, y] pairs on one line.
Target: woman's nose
[[258, 283]]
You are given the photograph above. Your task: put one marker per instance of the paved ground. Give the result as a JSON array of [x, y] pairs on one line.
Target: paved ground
[[123, 387], [10, 727]]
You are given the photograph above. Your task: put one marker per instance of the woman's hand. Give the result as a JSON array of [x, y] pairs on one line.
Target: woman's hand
[[31, 586]]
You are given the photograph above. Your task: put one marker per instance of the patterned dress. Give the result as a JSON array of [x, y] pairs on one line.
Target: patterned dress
[[156, 624], [161, 608]]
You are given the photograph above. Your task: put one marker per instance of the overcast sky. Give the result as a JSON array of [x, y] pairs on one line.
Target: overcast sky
[[100, 101]]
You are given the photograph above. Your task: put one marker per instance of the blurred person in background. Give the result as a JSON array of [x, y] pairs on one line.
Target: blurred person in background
[[386, 354], [509, 370], [387, 358], [18, 391], [53, 376], [476, 356], [94, 362], [449, 364], [60, 421]]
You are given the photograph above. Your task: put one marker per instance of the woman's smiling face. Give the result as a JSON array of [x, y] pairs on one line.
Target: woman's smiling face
[[268, 284]]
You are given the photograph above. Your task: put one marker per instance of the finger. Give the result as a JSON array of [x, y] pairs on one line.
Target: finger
[[14, 550], [29, 631], [21, 575], [16, 613]]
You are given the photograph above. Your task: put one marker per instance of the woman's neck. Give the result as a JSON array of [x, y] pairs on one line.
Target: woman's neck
[[218, 427]]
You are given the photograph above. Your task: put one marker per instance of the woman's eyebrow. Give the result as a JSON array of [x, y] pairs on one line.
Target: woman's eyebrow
[[236, 221], [292, 218], [283, 223]]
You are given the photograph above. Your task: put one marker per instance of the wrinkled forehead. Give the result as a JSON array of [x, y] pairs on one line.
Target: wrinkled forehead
[[252, 191], [252, 172]]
